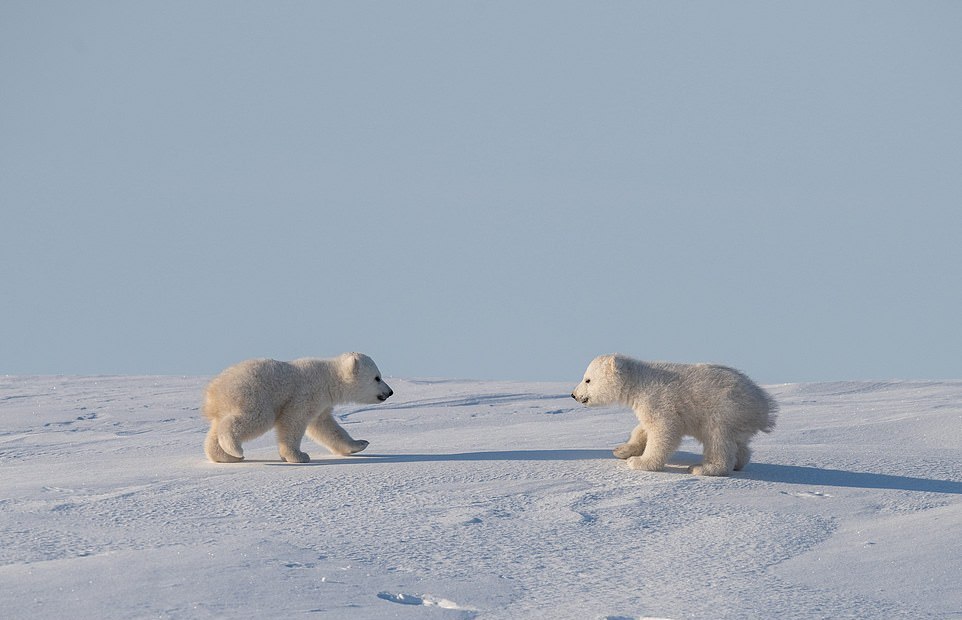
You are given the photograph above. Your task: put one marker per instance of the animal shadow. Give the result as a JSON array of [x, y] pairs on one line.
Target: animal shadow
[[815, 476], [496, 455]]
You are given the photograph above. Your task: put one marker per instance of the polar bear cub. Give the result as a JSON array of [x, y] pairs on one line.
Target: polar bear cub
[[249, 398], [717, 405]]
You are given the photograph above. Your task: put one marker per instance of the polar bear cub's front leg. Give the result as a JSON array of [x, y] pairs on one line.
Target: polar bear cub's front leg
[[325, 430], [663, 440], [290, 431], [635, 446]]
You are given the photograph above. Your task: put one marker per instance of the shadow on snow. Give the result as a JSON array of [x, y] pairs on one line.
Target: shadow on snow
[[763, 472], [815, 476], [496, 455]]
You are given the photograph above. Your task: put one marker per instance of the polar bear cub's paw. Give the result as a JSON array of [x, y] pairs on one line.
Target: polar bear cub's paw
[[709, 469], [357, 445], [640, 462], [296, 456], [627, 450]]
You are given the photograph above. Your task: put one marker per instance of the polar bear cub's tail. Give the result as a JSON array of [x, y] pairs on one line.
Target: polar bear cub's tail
[[772, 413]]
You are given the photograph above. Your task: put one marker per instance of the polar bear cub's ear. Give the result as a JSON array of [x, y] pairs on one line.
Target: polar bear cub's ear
[[349, 363], [615, 364]]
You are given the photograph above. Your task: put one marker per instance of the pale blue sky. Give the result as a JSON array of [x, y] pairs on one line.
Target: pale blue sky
[[490, 190]]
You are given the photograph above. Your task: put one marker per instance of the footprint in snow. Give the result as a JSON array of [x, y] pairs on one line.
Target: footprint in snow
[[632, 618], [808, 494], [425, 599]]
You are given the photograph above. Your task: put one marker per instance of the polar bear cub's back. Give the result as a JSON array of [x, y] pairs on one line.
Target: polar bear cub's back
[[256, 384], [717, 388]]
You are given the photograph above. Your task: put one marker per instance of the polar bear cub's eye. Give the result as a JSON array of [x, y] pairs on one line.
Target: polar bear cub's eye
[[587, 380], [377, 379]]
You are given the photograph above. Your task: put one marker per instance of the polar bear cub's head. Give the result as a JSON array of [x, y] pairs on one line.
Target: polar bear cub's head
[[361, 379], [602, 382]]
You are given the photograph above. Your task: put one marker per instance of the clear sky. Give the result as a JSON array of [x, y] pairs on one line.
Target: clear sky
[[489, 190]]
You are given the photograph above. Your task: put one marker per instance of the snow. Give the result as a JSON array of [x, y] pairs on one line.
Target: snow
[[476, 500]]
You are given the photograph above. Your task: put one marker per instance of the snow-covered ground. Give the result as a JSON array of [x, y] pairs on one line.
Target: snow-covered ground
[[476, 499]]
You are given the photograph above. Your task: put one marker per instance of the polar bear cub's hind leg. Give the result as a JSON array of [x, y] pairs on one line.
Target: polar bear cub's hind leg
[[720, 457], [227, 436], [743, 456], [213, 450]]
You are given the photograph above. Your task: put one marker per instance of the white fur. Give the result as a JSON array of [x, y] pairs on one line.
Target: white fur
[[249, 398], [717, 405]]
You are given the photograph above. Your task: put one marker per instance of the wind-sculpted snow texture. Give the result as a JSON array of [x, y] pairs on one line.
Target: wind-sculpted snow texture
[[476, 500]]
